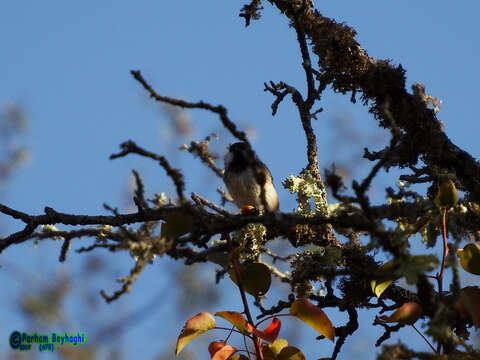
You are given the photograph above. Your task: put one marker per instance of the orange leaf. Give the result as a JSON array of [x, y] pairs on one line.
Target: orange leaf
[[304, 310], [194, 326], [215, 346], [468, 303], [220, 351], [470, 258], [270, 333], [406, 314], [235, 318]]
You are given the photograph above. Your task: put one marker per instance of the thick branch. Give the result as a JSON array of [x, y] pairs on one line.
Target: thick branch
[[279, 223], [383, 85]]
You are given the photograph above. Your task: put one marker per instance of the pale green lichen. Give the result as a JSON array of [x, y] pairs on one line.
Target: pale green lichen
[[105, 231], [51, 230], [252, 236], [160, 200], [306, 188]]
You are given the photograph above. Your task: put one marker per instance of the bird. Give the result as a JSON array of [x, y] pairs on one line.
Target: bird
[[248, 180]]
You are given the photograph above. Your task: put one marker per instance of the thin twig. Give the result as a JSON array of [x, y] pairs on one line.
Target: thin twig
[[64, 250], [201, 150], [129, 147], [139, 198], [306, 64], [424, 338], [250, 11], [219, 109], [211, 205]]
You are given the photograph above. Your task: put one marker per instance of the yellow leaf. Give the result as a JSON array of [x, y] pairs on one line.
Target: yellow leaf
[[379, 288], [304, 310], [406, 314], [274, 348], [235, 318], [194, 326], [384, 277], [470, 258]]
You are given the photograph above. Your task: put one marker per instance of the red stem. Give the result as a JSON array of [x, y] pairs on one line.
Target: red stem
[[236, 267], [439, 277], [445, 252]]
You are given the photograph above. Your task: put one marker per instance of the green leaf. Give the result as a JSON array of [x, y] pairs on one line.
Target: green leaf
[[194, 326], [447, 195], [290, 353], [470, 258], [219, 258], [256, 278], [235, 318], [176, 224], [311, 315]]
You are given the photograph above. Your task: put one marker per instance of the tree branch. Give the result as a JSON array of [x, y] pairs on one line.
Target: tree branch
[[219, 109], [129, 147], [381, 84]]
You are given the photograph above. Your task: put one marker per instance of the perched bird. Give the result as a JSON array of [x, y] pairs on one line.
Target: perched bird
[[248, 179]]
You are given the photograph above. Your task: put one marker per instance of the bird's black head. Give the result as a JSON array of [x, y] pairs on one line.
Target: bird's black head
[[239, 157], [239, 147]]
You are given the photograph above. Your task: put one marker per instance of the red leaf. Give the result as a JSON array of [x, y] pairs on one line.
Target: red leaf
[[270, 334]]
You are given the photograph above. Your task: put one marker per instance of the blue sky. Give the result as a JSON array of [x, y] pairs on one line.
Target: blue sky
[[68, 63]]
